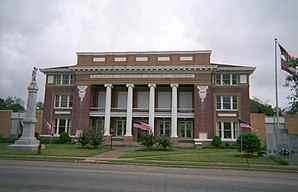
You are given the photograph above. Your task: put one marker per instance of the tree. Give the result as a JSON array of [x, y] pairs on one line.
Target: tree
[[12, 103], [39, 105], [257, 106], [292, 83], [249, 143]]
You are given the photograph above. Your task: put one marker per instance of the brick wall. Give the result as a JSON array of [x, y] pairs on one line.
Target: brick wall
[[5, 122], [257, 120], [291, 122]]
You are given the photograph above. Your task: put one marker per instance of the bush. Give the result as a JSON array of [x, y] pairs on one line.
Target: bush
[[64, 137], [164, 142], [90, 137], [36, 135], [249, 143], [95, 138], [7, 140], [147, 140], [216, 142]]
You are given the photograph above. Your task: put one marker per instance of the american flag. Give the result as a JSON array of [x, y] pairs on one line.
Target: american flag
[[141, 125], [286, 57], [245, 125], [48, 126]]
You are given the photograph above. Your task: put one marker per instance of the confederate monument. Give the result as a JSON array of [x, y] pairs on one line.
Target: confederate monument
[[27, 141]]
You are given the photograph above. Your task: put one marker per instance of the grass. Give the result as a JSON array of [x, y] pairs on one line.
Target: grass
[[203, 157], [52, 151]]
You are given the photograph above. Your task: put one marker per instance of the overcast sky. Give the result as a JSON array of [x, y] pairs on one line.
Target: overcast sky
[[48, 33]]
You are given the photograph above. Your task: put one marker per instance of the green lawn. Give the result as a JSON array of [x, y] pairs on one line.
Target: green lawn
[[65, 150], [201, 157]]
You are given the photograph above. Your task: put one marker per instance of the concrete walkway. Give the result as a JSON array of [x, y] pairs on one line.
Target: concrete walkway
[[111, 155]]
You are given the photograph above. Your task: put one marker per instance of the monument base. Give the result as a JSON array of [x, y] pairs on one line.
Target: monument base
[[29, 145]]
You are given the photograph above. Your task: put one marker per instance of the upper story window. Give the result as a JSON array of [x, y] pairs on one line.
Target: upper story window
[[99, 59], [119, 59], [163, 58], [63, 101], [189, 58], [64, 79], [141, 58], [226, 103], [226, 79]]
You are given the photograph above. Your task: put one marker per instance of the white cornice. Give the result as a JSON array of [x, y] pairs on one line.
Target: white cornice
[[144, 68], [145, 53]]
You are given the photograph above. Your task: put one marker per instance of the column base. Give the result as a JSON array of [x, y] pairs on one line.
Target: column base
[[128, 140], [107, 140], [174, 141], [28, 145]]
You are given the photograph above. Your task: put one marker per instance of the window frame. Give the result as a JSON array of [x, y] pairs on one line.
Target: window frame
[[58, 99], [57, 126], [221, 105], [231, 78], [233, 129], [183, 129], [64, 79]]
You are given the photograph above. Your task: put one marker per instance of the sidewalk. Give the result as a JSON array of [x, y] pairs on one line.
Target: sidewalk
[[111, 155]]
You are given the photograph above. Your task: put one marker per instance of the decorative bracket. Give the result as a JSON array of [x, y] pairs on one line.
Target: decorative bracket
[[202, 92], [82, 91]]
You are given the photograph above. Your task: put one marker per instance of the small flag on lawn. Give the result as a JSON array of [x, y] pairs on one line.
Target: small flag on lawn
[[48, 126], [245, 125], [141, 125]]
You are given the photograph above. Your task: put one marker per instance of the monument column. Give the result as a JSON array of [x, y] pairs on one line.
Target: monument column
[[152, 106], [129, 110], [108, 109], [27, 141], [174, 111]]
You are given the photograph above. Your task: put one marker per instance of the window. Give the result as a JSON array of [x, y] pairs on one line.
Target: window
[[99, 59], [163, 58], [64, 79], [164, 100], [119, 59], [226, 79], [226, 103], [143, 100], [185, 101], [120, 128], [185, 129], [141, 58], [99, 126], [164, 128], [101, 100], [50, 79], [227, 130], [63, 101], [190, 58], [121, 100], [61, 125]]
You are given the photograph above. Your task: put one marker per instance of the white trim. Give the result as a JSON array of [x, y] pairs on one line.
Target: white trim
[[120, 59], [143, 76], [144, 52], [99, 59], [186, 58], [141, 58], [227, 115], [167, 58], [62, 112]]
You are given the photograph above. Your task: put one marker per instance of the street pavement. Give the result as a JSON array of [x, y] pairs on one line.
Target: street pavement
[[64, 176]]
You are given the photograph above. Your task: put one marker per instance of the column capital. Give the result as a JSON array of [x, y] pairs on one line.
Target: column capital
[[108, 85], [175, 85], [152, 85], [130, 85]]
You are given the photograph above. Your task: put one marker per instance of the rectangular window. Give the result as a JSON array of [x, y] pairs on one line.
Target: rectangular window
[[121, 128], [50, 79], [101, 99], [64, 79], [164, 128], [63, 101], [120, 59], [190, 58], [227, 130], [226, 103], [121, 100], [99, 59], [163, 58], [141, 58], [185, 101], [61, 125], [185, 129], [164, 100], [143, 100], [226, 79]]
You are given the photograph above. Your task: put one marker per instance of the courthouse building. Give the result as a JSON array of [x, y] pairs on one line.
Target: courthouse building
[[178, 93]]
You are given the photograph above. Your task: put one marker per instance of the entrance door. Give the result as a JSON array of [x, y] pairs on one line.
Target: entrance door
[[120, 128], [164, 127]]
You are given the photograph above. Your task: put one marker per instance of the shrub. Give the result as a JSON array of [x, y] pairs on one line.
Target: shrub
[[7, 140], [83, 137], [164, 142], [95, 138], [64, 137], [36, 135], [147, 140], [216, 142], [249, 143]]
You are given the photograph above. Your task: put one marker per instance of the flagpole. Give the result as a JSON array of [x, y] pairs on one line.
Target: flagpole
[[276, 84]]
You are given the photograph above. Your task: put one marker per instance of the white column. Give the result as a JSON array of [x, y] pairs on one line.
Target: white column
[[108, 109], [174, 110], [129, 109], [152, 106]]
